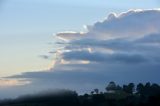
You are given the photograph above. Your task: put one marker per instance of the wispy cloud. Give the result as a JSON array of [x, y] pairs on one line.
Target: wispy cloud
[[12, 82]]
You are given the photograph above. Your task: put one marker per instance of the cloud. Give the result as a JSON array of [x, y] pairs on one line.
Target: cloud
[[150, 39], [124, 47], [9, 83], [69, 35], [134, 23], [104, 57]]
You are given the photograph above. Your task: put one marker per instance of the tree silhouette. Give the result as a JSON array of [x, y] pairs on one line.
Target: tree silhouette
[[96, 91], [147, 88], [145, 95], [111, 86], [119, 88], [92, 92], [129, 88], [140, 89]]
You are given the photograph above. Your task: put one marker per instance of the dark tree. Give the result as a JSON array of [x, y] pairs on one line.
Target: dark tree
[[140, 89], [119, 88], [129, 88], [147, 88], [111, 86], [92, 92], [96, 91]]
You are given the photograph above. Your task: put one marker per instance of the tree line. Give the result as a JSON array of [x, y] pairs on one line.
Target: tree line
[[115, 95]]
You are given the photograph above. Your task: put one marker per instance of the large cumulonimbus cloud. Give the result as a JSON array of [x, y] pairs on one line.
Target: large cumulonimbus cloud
[[132, 37], [124, 47]]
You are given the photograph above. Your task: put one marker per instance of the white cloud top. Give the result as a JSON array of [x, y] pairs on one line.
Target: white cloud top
[[134, 23]]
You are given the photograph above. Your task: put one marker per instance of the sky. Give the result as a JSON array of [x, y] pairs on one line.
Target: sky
[[49, 43]]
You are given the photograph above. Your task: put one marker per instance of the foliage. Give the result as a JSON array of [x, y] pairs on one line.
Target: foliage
[[128, 95]]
